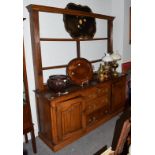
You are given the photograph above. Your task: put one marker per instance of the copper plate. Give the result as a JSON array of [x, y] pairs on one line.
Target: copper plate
[[79, 26], [79, 71]]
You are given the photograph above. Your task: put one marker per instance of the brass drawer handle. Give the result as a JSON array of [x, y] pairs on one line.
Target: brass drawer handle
[[106, 111], [106, 100], [90, 120], [99, 90], [92, 96], [94, 118]]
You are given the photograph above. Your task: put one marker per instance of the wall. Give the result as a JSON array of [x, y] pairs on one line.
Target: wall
[[52, 26], [120, 9], [118, 12], [126, 45]]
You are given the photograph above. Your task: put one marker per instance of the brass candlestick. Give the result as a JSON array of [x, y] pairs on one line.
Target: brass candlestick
[[107, 70], [107, 59], [114, 66], [101, 73], [116, 57]]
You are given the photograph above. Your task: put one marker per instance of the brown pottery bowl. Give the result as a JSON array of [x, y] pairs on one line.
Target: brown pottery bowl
[[57, 83]]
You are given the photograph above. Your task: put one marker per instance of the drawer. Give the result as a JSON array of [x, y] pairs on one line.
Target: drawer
[[102, 101], [102, 91], [103, 88], [97, 115], [121, 79], [97, 103], [89, 94], [97, 93]]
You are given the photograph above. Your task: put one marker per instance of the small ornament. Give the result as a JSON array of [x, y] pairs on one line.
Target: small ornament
[[101, 73], [101, 77], [78, 26], [80, 21]]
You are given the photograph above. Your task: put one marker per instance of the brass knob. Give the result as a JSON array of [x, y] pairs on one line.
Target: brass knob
[[106, 111], [80, 21], [89, 120], [94, 118], [99, 90]]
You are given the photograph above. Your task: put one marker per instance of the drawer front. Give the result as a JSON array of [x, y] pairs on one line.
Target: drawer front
[[97, 115], [95, 92], [89, 94], [97, 103], [103, 89], [118, 94], [98, 97]]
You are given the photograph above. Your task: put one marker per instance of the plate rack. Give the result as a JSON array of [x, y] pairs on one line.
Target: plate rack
[[35, 38]]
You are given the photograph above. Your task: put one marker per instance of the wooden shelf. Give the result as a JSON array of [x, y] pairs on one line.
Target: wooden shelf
[[67, 11], [63, 66], [54, 67], [70, 39], [36, 39]]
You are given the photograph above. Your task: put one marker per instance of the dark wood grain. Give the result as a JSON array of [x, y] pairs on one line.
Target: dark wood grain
[[118, 93], [78, 112], [78, 48], [67, 11], [36, 51], [69, 39], [64, 66], [54, 67], [110, 36]]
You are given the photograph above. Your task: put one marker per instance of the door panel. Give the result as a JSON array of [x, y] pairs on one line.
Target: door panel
[[70, 118], [118, 94]]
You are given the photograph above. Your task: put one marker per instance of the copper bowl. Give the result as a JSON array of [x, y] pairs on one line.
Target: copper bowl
[[58, 83]]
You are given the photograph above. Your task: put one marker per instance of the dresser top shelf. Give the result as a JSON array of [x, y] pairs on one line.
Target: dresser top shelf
[[50, 95], [36, 40]]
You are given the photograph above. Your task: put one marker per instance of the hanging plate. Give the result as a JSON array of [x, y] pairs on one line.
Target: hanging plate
[[82, 27], [80, 71]]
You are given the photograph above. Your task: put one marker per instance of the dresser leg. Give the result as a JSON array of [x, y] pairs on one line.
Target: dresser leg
[[33, 141]]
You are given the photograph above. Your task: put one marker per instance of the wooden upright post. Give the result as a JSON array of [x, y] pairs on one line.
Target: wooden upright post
[[110, 36], [78, 48], [35, 40]]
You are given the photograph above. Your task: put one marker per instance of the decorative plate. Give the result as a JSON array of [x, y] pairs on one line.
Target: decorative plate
[[80, 71], [79, 26]]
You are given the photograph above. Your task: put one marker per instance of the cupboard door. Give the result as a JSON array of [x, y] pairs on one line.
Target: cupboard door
[[70, 118], [118, 94]]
